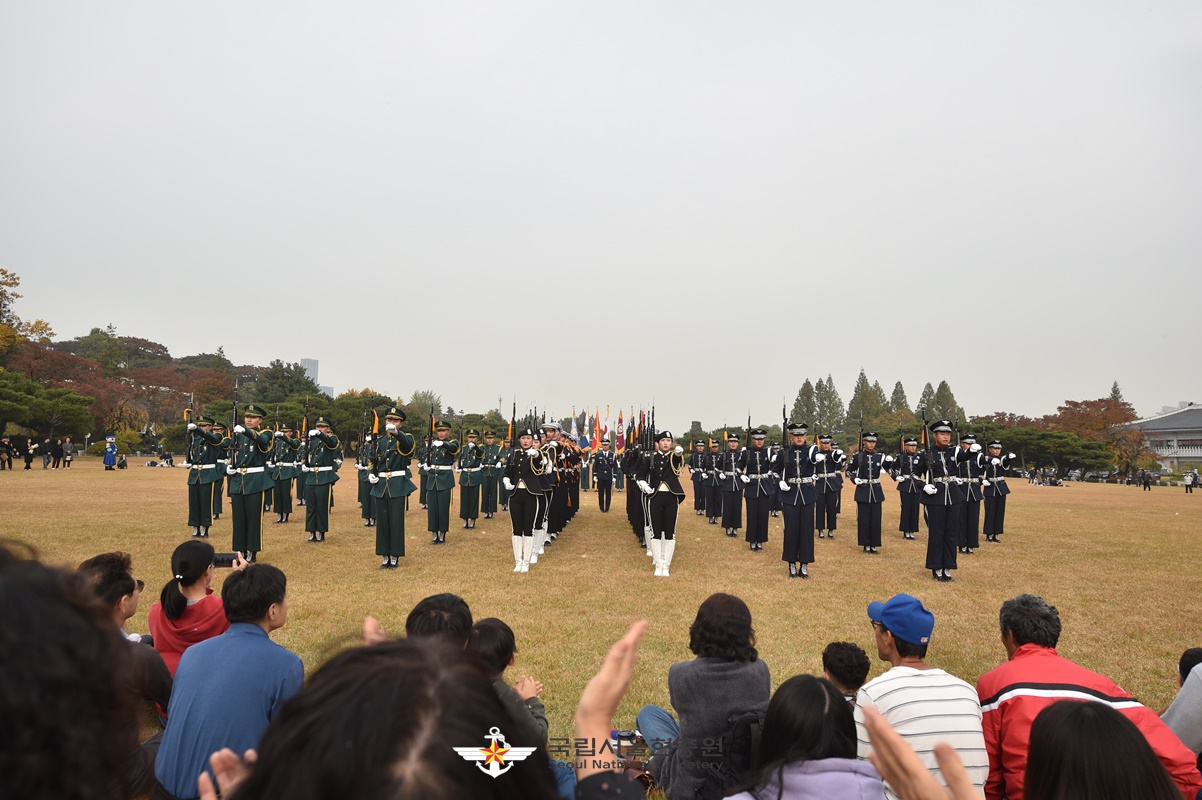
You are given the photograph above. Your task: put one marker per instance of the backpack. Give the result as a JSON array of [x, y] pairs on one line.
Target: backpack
[[729, 771]]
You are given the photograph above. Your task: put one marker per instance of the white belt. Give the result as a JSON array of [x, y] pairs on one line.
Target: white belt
[[871, 480], [440, 468], [764, 477], [947, 479], [826, 476], [396, 473], [471, 469], [973, 480], [203, 466], [801, 480], [907, 477], [252, 470], [223, 461], [999, 478], [320, 469]]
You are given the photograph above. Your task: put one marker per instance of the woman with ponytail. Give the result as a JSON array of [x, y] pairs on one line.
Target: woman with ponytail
[[188, 612]]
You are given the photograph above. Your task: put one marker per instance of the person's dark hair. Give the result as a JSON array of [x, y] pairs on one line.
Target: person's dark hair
[[248, 593], [69, 723], [723, 629], [493, 642], [847, 664], [405, 705], [1031, 620], [440, 614], [188, 562], [111, 577], [1189, 659], [1089, 751], [807, 719], [907, 649]]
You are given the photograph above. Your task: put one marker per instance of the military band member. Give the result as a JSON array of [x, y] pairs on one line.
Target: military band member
[[698, 472], [604, 468], [759, 486], [440, 463], [283, 469], [659, 479], [993, 486], [865, 471], [971, 468], [502, 460], [795, 466], [730, 486], [634, 502], [943, 499], [324, 450], [201, 461], [907, 471], [249, 479], [490, 476], [523, 479], [363, 468], [713, 485], [223, 460], [471, 460], [828, 487], [389, 475]]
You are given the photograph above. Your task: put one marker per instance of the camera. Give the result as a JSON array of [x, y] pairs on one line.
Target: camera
[[224, 559]]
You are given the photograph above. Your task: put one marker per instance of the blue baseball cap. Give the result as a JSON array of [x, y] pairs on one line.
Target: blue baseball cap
[[905, 618]]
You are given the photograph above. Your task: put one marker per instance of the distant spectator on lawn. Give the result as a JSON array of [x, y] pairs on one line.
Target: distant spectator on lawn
[[1035, 676], [441, 615], [845, 665], [1184, 716], [188, 612]]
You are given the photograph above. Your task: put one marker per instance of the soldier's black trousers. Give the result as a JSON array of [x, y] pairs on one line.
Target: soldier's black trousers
[[995, 515], [469, 502], [438, 514], [282, 500], [663, 508], [218, 488], [302, 485], [757, 518], [827, 510], [634, 510], [557, 515], [200, 505], [868, 524], [573, 500], [943, 522], [909, 512], [367, 508], [799, 533], [248, 521], [713, 502], [525, 510], [317, 507], [390, 525], [605, 493], [698, 495], [971, 532], [488, 495], [544, 507], [423, 489], [732, 509], [503, 495]]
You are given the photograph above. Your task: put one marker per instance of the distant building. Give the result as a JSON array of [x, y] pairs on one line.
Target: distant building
[[1175, 435], [326, 390], [309, 365]]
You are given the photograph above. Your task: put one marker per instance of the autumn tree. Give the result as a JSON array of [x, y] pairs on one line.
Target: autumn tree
[[13, 330]]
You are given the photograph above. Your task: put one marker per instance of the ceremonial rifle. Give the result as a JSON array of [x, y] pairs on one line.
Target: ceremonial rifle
[[234, 424]]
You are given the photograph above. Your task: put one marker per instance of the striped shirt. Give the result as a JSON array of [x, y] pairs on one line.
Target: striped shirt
[[925, 707]]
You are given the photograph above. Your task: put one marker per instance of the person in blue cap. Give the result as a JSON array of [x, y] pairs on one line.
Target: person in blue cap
[[110, 452]]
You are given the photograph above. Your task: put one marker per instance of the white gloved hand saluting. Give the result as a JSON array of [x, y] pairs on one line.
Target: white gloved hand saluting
[[975, 448], [929, 488], [819, 458], [784, 486], [745, 479], [279, 434], [372, 477], [191, 426], [390, 427], [239, 429], [313, 432], [532, 451], [679, 450], [437, 443]]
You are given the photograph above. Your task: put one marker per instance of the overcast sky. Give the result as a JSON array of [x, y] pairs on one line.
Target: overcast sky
[[698, 203]]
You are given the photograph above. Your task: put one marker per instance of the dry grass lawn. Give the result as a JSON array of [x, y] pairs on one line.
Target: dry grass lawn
[[1122, 565]]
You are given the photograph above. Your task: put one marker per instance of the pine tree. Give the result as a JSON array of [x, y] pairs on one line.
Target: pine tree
[[1116, 393], [898, 401], [828, 408], [859, 408], [944, 404], [804, 409], [927, 401], [879, 401]]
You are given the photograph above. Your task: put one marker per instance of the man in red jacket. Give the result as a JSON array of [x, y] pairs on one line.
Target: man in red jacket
[[1035, 676]]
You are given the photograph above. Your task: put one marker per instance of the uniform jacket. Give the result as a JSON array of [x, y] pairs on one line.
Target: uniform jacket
[[471, 464], [526, 469], [630, 462], [795, 466], [249, 451], [324, 451], [699, 467], [907, 471], [711, 477], [756, 464], [971, 466], [941, 469], [996, 475], [203, 457], [440, 463], [827, 475], [284, 458], [390, 458], [604, 463], [663, 469], [493, 461], [727, 465], [868, 467]]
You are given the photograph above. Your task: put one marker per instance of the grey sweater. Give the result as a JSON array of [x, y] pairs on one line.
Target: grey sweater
[[1184, 716], [704, 693]]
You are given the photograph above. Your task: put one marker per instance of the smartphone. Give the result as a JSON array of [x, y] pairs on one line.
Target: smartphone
[[224, 559]]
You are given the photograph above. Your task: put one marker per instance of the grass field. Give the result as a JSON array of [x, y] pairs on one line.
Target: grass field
[[1122, 565]]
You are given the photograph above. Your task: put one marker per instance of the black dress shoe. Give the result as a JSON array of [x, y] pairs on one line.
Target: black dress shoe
[[312, 537], [321, 537], [935, 574], [792, 570], [805, 573], [253, 556]]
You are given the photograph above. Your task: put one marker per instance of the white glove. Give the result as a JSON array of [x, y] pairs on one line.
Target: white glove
[[959, 481], [837, 454], [679, 450], [887, 460], [279, 434], [784, 486], [191, 426], [231, 470], [929, 488], [721, 474], [532, 451], [239, 429], [313, 432], [897, 478], [997, 462], [646, 487], [187, 465], [975, 448], [860, 481], [508, 484], [304, 467], [692, 471], [819, 458], [437, 443], [390, 427], [373, 478], [1011, 456], [745, 479], [984, 482]]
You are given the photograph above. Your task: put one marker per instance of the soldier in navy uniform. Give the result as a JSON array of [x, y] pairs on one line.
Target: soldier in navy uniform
[[972, 467], [943, 499], [201, 461], [389, 474], [604, 467], [471, 460], [699, 471], [555, 451], [523, 480], [283, 470], [730, 487], [774, 452], [712, 485], [795, 466], [363, 467], [865, 471], [828, 487], [993, 486], [759, 486], [324, 451], [634, 502], [659, 479], [907, 471], [571, 461]]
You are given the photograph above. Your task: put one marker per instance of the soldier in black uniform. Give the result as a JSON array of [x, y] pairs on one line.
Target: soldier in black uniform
[[795, 466], [571, 460], [634, 503], [993, 486], [713, 488], [586, 464], [865, 471], [907, 471], [971, 468], [523, 480], [699, 471], [730, 487], [555, 452], [659, 479], [775, 505], [759, 486], [943, 499], [828, 487], [604, 466]]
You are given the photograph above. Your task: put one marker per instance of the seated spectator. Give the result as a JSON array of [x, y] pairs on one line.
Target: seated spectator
[[808, 747], [69, 729], [187, 612], [1184, 716], [726, 676], [493, 643], [845, 665], [441, 615], [1034, 677], [229, 687], [923, 704]]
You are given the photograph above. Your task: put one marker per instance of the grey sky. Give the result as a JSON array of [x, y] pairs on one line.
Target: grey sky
[[699, 202]]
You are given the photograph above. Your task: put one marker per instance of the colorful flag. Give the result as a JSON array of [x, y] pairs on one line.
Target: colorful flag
[[574, 433], [620, 433], [585, 444], [596, 444], [375, 421]]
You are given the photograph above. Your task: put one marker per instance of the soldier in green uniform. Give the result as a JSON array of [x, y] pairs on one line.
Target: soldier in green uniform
[[223, 459], [491, 480], [324, 450], [424, 476], [249, 479], [471, 475], [367, 503], [391, 484], [302, 478], [284, 469], [503, 493], [201, 462], [440, 462]]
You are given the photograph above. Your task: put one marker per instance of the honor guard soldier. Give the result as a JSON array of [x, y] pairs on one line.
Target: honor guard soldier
[[555, 452], [575, 456], [389, 476], [828, 487], [775, 505], [759, 486], [971, 468], [502, 460], [302, 478], [730, 486], [249, 479], [363, 468], [699, 471], [795, 466], [324, 451], [943, 499], [283, 470], [203, 449], [907, 471], [493, 467], [223, 460], [993, 486], [865, 472], [713, 485], [659, 479], [604, 468], [523, 480], [634, 500], [440, 464], [586, 468], [423, 475], [471, 461]]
